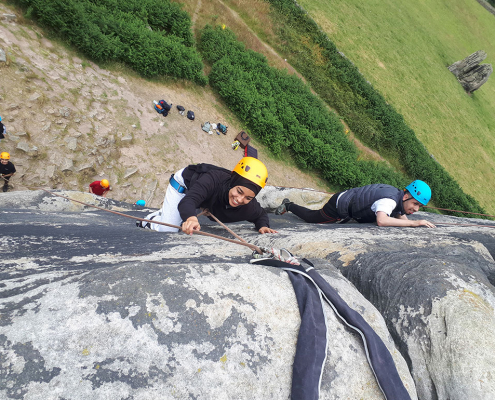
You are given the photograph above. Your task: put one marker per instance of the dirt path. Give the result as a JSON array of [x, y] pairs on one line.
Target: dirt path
[[196, 12]]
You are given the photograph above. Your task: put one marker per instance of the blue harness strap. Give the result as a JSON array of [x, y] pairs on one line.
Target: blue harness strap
[[176, 185]]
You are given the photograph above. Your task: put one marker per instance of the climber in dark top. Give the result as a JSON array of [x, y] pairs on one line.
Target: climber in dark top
[[228, 195], [380, 203]]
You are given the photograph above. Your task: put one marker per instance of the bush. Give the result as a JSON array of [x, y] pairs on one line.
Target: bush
[[151, 36], [365, 111], [281, 111]]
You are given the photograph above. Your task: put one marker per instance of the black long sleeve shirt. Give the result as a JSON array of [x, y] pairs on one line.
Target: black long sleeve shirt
[[210, 190]]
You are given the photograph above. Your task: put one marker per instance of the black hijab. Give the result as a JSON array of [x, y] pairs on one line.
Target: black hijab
[[237, 180]]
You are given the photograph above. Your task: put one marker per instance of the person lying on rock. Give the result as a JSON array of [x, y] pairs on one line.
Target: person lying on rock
[[100, 188], [229, 196], [385, 204]]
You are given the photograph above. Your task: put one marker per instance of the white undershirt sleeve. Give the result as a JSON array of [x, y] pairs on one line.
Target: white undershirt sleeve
[[385, 205]]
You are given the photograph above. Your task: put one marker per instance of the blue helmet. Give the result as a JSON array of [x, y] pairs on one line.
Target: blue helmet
[[420, 191], [141, 203], [0, 118]]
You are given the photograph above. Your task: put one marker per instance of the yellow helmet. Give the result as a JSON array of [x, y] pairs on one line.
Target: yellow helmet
[[104, 183], [253, 170], [5, 155]]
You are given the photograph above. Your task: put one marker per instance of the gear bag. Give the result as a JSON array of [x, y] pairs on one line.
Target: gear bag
[[190, 115], [206, 127], [222, 128], [243, 138], [165, 105]]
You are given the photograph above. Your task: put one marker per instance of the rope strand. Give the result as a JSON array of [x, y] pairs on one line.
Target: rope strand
[[242, 242], [208, 213]]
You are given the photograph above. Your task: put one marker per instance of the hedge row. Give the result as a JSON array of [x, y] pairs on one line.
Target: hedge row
[[151, 36], [281, 111], [366, 112]]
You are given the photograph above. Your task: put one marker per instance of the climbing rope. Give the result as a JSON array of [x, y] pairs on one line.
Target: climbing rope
[[207, 213], [465, 212], [307, 189], [451, 223], [242, 242]]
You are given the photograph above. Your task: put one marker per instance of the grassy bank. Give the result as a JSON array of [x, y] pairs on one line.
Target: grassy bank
[[404, 50]]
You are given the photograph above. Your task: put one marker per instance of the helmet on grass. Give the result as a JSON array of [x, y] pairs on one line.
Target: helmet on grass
[[104, 183], [420, 191], [253, 170], [4, 155]]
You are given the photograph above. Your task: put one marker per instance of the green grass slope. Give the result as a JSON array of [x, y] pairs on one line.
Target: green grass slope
[[298, 38], [403, 49]]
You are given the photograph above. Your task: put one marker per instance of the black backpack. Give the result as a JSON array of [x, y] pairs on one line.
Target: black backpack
[[190, 115], [165, 105]]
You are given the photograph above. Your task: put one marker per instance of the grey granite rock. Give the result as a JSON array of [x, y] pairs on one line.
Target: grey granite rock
[[92, 305]]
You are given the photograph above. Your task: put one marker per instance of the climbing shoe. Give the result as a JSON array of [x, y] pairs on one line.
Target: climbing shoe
[[282, 209], [143, 224], [5, 188]]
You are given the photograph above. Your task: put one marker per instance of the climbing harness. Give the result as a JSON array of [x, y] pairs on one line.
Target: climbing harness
[[176, 185], [241, 242]]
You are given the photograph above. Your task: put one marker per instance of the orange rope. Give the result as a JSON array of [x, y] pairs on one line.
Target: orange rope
[[242, 243], [465, 212]]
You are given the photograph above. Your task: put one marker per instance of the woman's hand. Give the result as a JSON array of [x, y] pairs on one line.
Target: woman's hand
[[191, 224]]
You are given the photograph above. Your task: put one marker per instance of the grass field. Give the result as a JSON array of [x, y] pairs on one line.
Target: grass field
[[403, 49]]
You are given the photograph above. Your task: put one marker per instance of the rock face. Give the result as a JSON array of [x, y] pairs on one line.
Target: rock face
[[470, 72], [93, 307], [444, 321]]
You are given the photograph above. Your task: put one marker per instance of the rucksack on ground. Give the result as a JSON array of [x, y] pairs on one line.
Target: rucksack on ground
[[243, 139], [165, 105], [206, 127], [158, 107], [190, 115], [181, 110], [222, 128]]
